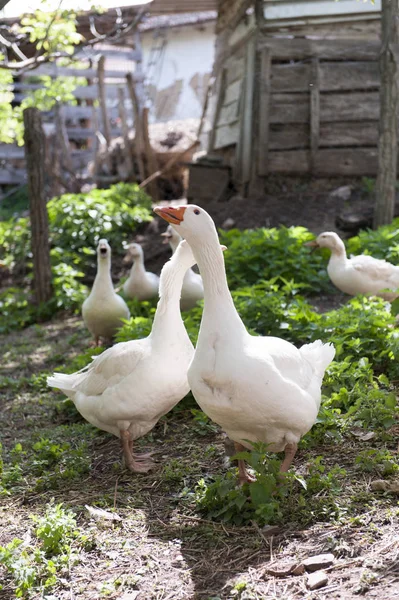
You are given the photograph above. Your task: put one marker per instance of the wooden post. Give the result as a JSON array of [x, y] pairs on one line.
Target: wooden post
[[388, 127], [102, 99], [62, 139], [125, 132], [314, 113], [152, 165], [35, 147], [264, 110], [138, 140], [221, 90], [245, 145]]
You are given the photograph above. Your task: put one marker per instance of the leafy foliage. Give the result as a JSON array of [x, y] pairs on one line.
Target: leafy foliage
[[258, 254], [76, 223], [35, 564]]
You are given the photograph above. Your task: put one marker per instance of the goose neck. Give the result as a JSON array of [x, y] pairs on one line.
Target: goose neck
[[167, 319], [103, 276]]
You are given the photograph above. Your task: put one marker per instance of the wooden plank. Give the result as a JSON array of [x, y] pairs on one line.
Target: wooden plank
[[11, 176], [228, 114], [227, 135], [138, 134], [151, 159], [246, 130], [331, 161], [235, 69], [355, 106], [314, 112], [346, 133], [89, 73], [85, 112], [125, 54], [125, 132], [300, 49], [232, 92], [102, 99], [264, 111], [334, 76], [289, 108], [82, 133], [220, 97], [294, 108]]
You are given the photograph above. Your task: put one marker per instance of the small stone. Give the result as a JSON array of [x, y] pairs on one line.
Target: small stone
[[316, 580], [228, 223], [281, 569], [342, 193], [321, 561], [299, 570], [385, 486]]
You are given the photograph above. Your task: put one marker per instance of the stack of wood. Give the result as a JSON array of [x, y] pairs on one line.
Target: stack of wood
[[132, 157]]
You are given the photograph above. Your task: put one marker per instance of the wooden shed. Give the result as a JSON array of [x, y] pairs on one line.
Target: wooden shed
[[296, 88]]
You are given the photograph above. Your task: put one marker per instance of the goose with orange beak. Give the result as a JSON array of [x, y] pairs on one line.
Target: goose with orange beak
[[258, 389]]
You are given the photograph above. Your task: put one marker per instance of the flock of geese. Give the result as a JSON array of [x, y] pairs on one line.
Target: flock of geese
[[258, 389]]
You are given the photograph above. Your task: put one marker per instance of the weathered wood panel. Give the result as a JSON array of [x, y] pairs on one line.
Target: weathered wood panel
[[290, 136], [235, 69], [226, 135], [362, 161], [333, 76], [264, 105], [232, 92], [314, 112], [299, 49], [228, 114], [294, 108]]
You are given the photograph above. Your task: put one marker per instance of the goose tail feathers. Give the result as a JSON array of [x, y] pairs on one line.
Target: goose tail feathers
[[319, 355]]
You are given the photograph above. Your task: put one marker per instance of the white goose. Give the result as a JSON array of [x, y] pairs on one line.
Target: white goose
[[360, 274], [256, 388], [140, 284], [103, 310], [193, 288], [129, 387]]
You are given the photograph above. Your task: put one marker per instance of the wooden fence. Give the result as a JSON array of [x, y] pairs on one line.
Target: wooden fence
[[83, 120]]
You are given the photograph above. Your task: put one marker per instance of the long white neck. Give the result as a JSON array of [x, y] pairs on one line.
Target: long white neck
[[219, 314], [138, 268], [103, 280], [173, 243], [167, 319], [338, 253]]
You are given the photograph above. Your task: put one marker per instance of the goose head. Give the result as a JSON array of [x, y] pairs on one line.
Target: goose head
[[190, 221], [103, 250], [134, 252], [328, 239]]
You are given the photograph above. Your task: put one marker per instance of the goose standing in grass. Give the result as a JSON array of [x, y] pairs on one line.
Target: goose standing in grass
[[360, 274], [258, 389], [140, 284], [193, 288], [103, 310], [128, 388]]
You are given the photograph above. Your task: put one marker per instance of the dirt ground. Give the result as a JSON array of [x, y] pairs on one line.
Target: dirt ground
[[162, 547], [287, 201]]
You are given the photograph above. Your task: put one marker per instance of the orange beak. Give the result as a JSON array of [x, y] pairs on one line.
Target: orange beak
[[312, 244], [171, 214]]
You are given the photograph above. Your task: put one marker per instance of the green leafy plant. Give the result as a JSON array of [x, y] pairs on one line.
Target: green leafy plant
[[35, 565]]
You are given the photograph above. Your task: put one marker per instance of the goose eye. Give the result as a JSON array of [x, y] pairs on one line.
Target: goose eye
[[196, 211]]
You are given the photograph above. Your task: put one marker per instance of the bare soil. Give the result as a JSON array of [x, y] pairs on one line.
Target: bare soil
[[163, 548]]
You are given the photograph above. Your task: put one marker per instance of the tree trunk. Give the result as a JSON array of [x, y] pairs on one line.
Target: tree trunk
[[388, 127], [35, 147]]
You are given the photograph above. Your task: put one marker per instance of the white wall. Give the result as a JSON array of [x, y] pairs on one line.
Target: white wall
[[189, 51]]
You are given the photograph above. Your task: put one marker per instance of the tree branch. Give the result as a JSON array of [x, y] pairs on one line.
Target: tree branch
[[28, 64]]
